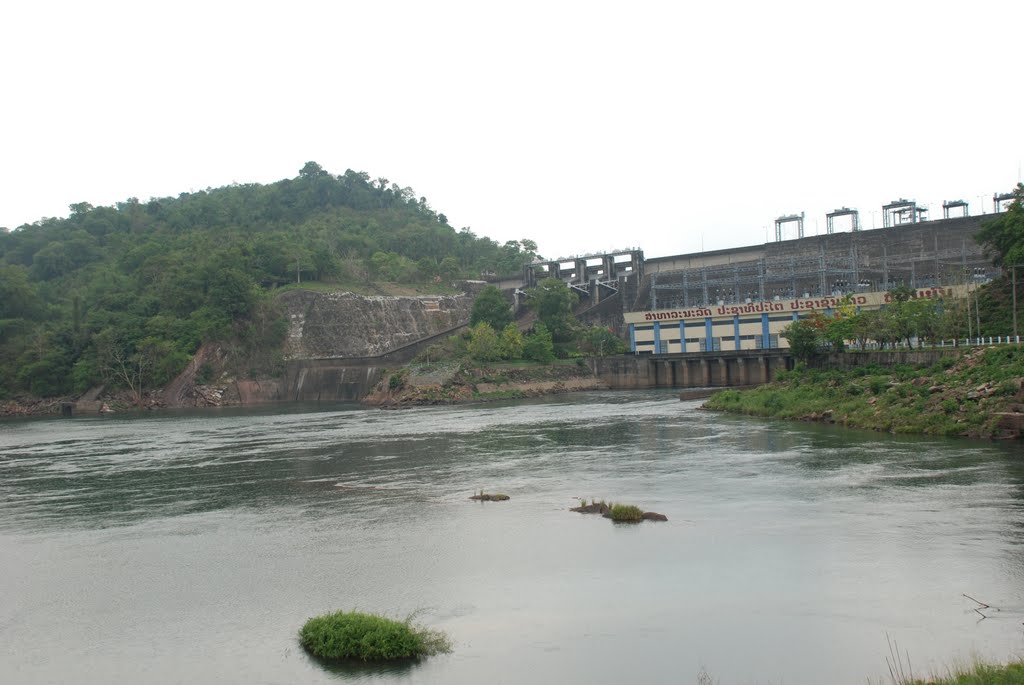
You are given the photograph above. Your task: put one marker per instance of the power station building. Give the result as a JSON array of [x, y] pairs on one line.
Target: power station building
[[747, 326], [742, 298]]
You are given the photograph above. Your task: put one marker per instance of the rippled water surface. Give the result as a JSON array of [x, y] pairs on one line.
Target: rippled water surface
[[191, 548]]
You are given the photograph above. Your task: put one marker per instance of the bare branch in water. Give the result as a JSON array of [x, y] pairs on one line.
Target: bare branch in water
[[980, 603]]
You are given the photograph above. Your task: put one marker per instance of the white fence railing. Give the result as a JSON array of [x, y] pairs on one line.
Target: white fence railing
[[960, 342]]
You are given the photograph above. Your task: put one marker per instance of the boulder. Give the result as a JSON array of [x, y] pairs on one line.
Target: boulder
[[654, 516]]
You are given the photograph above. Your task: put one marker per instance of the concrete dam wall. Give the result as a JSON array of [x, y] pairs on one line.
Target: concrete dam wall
[[338, 325], [311, 381], [339, 344]]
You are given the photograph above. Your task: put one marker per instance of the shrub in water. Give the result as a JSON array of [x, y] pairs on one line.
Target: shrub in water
[[626, 512], [355, 635]]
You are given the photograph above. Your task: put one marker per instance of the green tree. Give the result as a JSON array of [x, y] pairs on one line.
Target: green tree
[[952, 320], [1003, 236], [483, 343], [510, 344], [599, 341], [921, 319], [553, 302], [449, 269], [491, 307], [539, 346], [806, 337], [18, 298], [840, 326], [864, 326], [232, 292]]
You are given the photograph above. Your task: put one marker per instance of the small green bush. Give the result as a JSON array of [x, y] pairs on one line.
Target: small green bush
[[626, 512], [1006, 388], [365, 637]]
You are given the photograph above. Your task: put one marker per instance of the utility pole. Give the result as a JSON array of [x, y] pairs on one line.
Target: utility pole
[[1013, 285], [977, 314], [970, 330]]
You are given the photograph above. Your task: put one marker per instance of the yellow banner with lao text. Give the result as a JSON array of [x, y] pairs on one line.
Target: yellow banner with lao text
[[871, 300]]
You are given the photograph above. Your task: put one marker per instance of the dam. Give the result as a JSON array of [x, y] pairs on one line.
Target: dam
[[691, 320]]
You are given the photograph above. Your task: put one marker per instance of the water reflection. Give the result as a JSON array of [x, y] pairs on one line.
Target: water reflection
[[360, 671]]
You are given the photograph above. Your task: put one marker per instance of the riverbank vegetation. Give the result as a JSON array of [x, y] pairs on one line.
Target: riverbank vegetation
[[976, 674], [459, 382], [125, 295], [978, 394], [905, 319], [366, 637]]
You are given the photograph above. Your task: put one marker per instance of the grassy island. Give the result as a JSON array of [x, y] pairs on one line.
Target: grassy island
[[365, 637], [980, 394], [626, 512]]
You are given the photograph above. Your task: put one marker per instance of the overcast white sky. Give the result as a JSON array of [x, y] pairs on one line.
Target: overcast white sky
[[586, 126]]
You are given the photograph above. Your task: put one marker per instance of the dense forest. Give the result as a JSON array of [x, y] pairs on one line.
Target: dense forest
[[124, 295]]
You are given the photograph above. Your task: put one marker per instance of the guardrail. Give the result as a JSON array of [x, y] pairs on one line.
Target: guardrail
[[957, 342]]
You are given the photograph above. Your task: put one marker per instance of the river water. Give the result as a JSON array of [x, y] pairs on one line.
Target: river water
[[191, 548]]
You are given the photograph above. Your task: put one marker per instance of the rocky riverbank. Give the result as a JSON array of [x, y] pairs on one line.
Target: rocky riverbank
[[416, 385], [455, 384], [978, 395]]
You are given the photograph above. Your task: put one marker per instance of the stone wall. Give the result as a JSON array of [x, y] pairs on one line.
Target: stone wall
[[308, 381], [884, 358]]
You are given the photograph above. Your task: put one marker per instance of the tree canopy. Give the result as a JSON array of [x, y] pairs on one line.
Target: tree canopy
[[1003, 236], [492, 308]]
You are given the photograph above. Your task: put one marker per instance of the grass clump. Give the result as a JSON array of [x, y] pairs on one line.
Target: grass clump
[[366, 637], [490, 497], [977, 674], [625, 512]]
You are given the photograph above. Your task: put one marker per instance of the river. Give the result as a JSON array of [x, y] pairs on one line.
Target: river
[[190, 548]]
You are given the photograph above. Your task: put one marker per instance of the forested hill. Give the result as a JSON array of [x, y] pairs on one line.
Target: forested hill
[[111, 294]]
